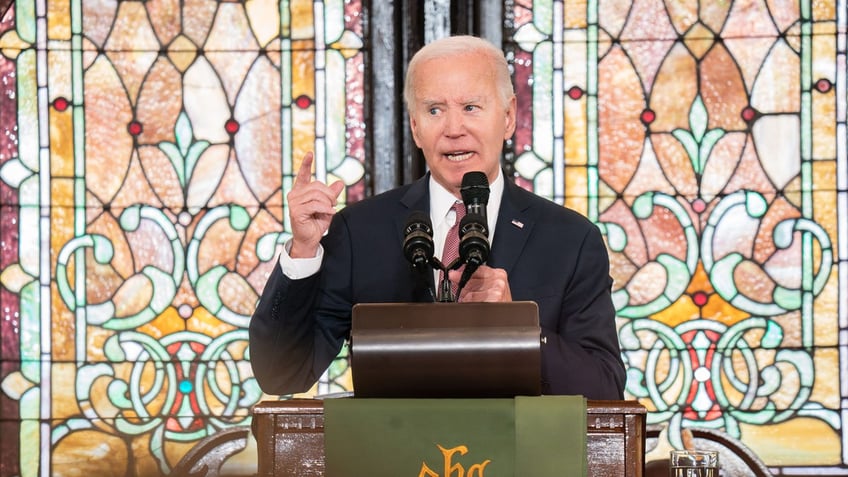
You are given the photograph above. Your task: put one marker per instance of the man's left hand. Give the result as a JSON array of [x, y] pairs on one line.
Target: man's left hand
[[486, 284]]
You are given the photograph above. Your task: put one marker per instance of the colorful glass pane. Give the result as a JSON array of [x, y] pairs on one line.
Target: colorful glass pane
[[147, 150], [707, 140]]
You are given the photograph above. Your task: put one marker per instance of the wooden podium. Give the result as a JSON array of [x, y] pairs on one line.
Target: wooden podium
[[290, 438]]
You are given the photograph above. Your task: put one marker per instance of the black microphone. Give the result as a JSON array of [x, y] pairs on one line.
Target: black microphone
[[473, 229], [475, 193], [473, 241], [418, 245]]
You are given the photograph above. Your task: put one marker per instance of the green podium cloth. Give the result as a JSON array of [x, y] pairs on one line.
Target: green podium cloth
[[539, 436]]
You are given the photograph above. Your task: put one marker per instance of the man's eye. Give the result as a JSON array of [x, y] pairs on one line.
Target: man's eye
[[433, 111], [471, 107]]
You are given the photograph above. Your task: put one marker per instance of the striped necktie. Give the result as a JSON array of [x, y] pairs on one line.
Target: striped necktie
[[451, 250]]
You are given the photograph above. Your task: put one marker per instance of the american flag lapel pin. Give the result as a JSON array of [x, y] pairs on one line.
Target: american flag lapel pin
[[518, 223]]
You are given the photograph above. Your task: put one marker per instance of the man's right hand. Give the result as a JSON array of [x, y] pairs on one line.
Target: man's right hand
[[311, 208]]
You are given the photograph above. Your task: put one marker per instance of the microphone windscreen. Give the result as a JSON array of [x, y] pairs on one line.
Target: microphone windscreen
[[418, 238], [473, 240], [418, 220], [475, 188]]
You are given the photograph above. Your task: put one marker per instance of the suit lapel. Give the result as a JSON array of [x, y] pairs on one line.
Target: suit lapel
[[512, 230], [416, 198]]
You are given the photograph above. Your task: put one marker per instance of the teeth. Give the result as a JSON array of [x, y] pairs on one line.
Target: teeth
[[458, 156]]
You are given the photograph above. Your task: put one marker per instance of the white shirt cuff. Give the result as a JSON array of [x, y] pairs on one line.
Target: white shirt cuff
[[297, 268]]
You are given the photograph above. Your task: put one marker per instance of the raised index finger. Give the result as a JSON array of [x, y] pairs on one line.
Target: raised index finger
[[304, 174]]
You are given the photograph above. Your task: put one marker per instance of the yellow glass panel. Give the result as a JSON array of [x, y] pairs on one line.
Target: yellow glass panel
[[58, 19], [575, 133], [823, 10], [62, 150], [826, 315], [796, 442], [574, 14], [576, 192], [824, 135], [302, 21]]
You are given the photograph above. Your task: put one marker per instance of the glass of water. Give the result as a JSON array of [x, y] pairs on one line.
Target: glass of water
[[693, 463]]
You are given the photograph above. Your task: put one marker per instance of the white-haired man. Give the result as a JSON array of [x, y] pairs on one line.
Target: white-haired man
[[461, 108]]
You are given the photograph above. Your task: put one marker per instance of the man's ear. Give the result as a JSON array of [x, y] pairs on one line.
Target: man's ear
[[413, 126], [510, 120]]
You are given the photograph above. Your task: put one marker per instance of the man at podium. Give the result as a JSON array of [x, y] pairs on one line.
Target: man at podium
[[514, 245]]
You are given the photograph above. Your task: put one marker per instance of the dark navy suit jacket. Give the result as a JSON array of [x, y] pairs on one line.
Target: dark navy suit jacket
[[552, 255]]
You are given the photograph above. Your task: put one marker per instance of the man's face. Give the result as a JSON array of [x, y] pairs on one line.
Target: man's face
[[458, 118]]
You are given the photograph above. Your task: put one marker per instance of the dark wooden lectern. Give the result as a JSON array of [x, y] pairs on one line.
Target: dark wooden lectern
[[290, 438]]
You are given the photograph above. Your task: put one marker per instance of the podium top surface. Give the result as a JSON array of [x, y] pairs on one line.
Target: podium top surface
[[316, 405], [444, 350], [371, 316]]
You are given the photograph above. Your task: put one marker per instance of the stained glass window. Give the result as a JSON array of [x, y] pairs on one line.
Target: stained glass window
[[146, 153], [147, 146], [707, 140]]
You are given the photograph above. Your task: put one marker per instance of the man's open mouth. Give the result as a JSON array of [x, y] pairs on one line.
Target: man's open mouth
[[458, 156]]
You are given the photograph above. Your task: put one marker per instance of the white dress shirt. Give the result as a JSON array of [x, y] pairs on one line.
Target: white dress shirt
[[443, 216]]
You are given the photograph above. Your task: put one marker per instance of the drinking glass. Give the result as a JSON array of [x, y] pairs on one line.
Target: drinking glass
[[693, 463]]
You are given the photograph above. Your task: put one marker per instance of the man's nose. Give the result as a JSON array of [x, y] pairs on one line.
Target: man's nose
[[454, 123]]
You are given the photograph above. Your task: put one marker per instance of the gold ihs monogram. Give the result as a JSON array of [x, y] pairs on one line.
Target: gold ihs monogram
[[452, 469]]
